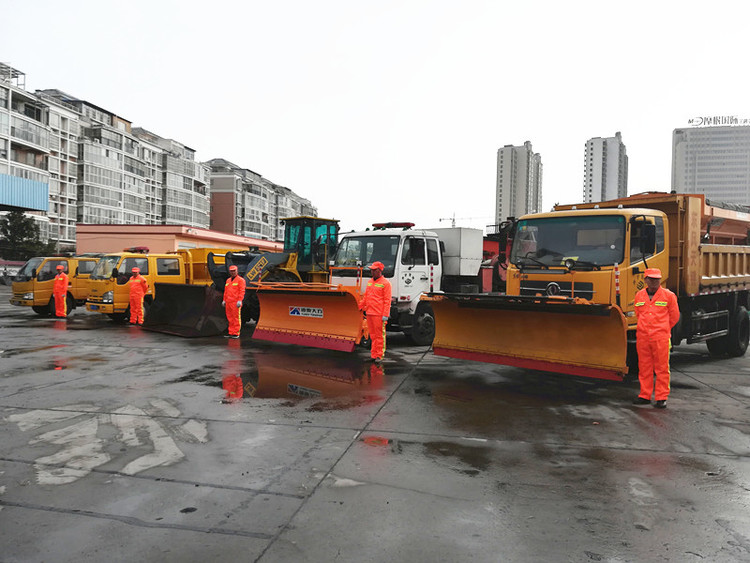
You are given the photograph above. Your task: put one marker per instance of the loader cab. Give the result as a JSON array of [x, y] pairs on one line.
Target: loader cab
[[312, 239]]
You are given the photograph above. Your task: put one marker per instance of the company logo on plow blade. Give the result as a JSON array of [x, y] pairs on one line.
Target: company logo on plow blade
[[314, 312]]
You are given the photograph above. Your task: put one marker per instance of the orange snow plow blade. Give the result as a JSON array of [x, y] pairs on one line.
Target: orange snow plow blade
[[561, 335], [309, 314]]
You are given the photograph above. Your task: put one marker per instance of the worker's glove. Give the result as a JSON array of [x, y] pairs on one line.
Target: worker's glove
[[385, 319], [223, 303], [239, 304]]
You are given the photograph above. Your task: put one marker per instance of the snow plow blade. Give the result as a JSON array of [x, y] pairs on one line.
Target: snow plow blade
[[186, 310], [562, 335], [309, 314]]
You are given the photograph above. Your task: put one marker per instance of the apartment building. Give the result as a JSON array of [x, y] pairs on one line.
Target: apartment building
[[605, 169], [714, 161], [518, 187], [64, 161], [245, 203], [24, 149], [184, 183]]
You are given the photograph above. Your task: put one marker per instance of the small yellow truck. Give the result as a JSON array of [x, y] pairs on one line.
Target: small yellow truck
[[32, 286]]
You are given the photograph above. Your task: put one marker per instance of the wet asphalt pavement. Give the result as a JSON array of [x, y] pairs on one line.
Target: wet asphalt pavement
[[120, 444]]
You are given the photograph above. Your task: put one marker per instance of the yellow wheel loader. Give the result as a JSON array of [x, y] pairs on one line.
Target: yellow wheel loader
[[191, 310]]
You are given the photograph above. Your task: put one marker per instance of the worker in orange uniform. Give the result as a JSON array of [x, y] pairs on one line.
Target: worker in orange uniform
[[234, 294], [138, 288], [60, 293], [657, 312], [376, 305]]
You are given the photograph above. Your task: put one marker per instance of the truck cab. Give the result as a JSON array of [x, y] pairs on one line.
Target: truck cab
[[109, 292], [416, 262], [32, 286]]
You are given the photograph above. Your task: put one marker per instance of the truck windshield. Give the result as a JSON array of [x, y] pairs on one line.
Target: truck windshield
[[549, 242], [363, 250], [104, 267], [24, 274]]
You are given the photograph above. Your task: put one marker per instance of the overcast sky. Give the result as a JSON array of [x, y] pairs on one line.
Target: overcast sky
[[394, 110]]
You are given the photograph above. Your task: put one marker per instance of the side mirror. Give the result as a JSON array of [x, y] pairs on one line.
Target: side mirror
[[33, 272], [648, 238], [114, 272], [76, 274]]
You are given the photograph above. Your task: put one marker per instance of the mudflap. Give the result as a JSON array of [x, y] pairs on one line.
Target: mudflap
[[309, 314], [560, 335], [186, 310]]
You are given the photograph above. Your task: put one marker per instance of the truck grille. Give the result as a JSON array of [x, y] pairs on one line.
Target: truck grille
[[551, 288]]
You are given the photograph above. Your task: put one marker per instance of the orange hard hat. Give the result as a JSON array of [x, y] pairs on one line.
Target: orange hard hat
[[232, 268], [653, 273], [136, 270], [377, 266], [60, 267]]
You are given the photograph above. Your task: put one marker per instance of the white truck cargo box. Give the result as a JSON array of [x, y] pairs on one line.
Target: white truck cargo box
[[463, 250]]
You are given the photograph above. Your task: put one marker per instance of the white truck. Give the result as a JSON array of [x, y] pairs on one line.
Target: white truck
[[416, 261]]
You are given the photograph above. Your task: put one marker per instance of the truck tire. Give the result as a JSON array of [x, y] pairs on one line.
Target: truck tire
[[423, 326], [42, 311], [70, 304], [739, 333]]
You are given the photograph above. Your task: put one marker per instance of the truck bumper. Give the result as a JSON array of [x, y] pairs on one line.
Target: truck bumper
[[106, 308], [21, 302]]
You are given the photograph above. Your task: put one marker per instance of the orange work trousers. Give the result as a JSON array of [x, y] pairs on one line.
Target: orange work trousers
[[376, 326], [653, 358], [61, 307], [136, 310], [234, 317]]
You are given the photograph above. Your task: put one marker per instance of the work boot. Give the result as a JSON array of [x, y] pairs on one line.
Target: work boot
[[641, 401], [660, 404], [234, 336]]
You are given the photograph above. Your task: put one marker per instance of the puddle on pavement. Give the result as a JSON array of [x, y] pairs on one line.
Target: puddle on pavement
[[462, 458], [335, 382]]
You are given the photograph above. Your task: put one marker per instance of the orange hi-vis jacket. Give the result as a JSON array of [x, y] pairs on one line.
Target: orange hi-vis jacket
[[60, 287], [138, 286], [234, 290], [377, 298], [657, 315]]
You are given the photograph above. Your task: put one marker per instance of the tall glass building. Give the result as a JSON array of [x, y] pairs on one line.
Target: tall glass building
[[714, 161]]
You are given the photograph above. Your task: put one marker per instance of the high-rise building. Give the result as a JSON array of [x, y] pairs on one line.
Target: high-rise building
[[245, 203], [185, 198], [605, 171], [65, 161], [714, 161], [519, 182], [24, 150]]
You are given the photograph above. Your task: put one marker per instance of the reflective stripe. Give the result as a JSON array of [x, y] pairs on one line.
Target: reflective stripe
[[660, 303], [641, 304]]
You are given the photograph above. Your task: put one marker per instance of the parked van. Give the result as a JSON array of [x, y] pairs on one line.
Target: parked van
[[32, 286]]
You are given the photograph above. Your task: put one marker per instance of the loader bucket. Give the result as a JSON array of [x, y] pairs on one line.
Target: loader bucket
[[186, 310], [309, 314], [562, 335]]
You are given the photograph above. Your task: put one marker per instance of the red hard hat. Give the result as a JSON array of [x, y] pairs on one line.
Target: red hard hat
[[232, 268], [136, 270], [60, 267], [653, 273], [377, 266]]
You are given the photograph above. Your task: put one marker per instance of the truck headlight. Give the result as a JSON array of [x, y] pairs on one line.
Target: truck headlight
[[28, 296], [108, 297]]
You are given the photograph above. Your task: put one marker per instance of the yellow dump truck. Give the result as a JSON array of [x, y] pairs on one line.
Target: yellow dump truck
[[32, 286], [573, 275], [108, 289]]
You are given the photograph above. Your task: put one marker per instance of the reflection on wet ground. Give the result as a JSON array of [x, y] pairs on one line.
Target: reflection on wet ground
[[295, 374]]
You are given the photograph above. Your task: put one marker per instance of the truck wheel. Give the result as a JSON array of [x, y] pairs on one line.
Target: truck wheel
[[739, 333], [70, 304], [41, 311], [717, 346], [423, 326]]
